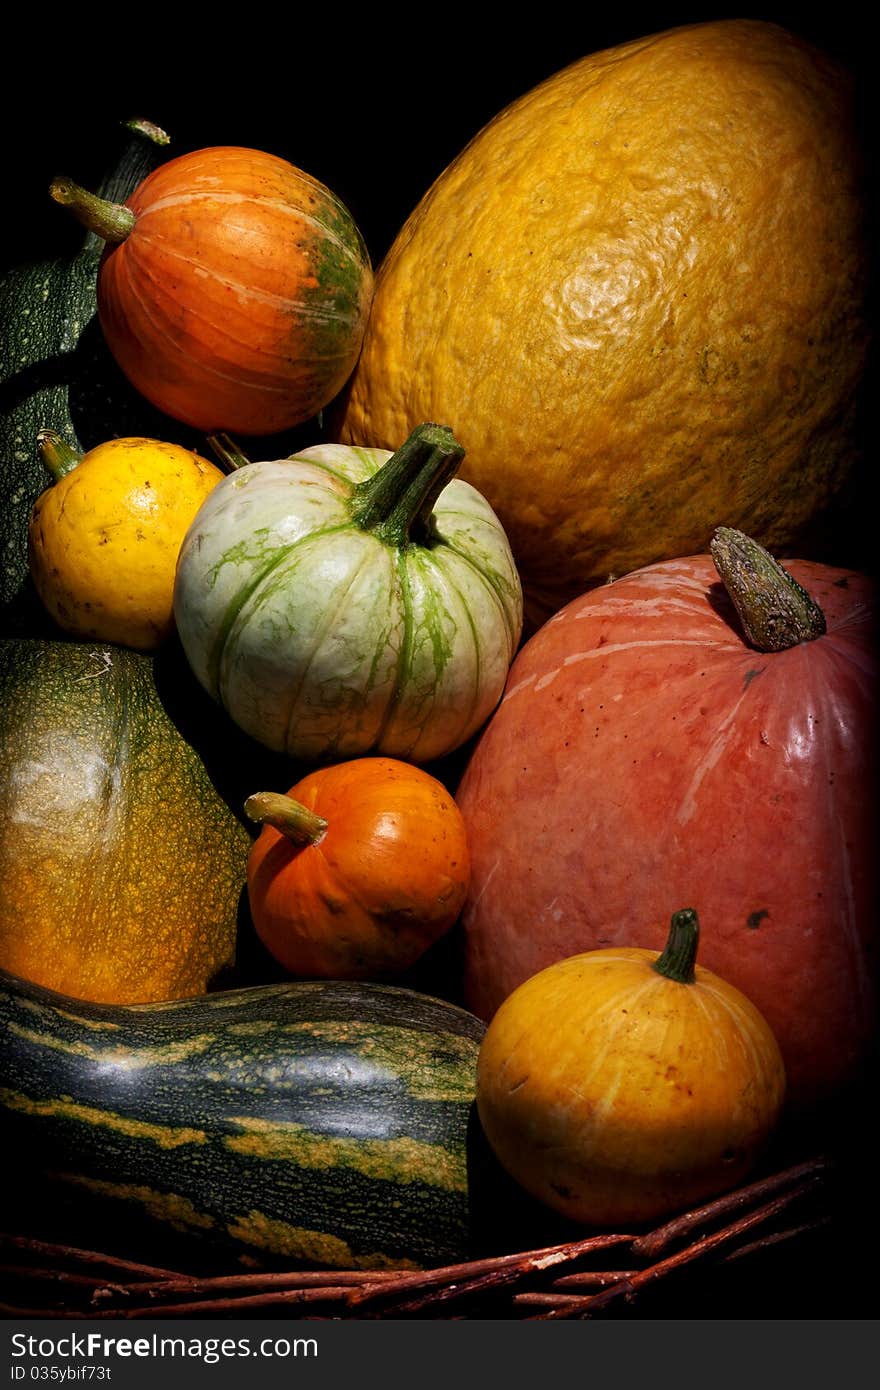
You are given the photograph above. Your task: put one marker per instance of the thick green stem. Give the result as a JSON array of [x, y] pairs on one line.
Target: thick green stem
[[680, 951], [59, 457], [397, 503], [111, 222], [775, 611], [297, 822], [228, 454]]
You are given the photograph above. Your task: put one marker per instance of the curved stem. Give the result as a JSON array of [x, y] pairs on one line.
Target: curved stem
[[397, 503], [294, 820], [680, 951], [112, 222], [775, 611], [148, 129], [59, 457]]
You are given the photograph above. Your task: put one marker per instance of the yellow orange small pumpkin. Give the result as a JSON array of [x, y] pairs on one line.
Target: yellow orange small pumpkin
[[103, 540], [618, 1086]]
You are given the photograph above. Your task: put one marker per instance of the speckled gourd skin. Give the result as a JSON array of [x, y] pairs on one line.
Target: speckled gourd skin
[[322, 640], [121, 865], [638, 298]]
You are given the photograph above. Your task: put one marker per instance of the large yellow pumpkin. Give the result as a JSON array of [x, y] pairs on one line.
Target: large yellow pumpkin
[[638, 299]]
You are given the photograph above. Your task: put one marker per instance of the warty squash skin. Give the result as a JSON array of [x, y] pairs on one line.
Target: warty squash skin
[[638, 298], [121, 866], [644, 753], [323, 1123]]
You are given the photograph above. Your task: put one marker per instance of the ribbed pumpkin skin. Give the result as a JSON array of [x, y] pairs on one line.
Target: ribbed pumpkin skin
[[121, 867], [239, 299], [637, 297], [615, 1095], [644, 755], [322, 641], [319, 1122]]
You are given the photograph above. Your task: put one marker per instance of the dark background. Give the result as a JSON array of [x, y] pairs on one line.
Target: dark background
[[374, 106]]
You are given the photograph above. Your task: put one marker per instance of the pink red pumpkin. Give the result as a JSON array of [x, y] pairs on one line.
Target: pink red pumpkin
[[646, 754]]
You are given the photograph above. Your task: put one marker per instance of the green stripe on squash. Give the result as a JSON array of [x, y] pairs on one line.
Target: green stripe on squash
[[325, 1122]]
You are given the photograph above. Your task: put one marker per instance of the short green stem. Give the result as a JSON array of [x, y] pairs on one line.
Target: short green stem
[[397, 503], [228, 454], [59, 457], [111, 222], [294, 820], [680, 951], [775, 611]]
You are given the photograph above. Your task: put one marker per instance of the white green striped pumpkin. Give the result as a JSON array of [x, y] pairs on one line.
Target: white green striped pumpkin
[[350, 600]]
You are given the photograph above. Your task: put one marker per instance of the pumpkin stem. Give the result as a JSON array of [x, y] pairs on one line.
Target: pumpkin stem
[[397, 503], [775, 611], [228, 453], [59, 457], [112, 222], [148, 129], [680, 951], [294, 820]]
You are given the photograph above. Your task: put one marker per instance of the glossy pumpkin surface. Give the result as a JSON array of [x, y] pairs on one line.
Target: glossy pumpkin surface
[[104, 539], [372, 869], [644, 753], [348, 601], [617, 1094], [121, 866], [238, 298], [638, 298]]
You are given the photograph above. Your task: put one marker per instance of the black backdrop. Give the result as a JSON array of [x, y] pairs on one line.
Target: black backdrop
[[375, 105]]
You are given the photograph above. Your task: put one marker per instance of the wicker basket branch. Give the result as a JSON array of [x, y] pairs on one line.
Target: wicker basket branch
[[590, 1277]]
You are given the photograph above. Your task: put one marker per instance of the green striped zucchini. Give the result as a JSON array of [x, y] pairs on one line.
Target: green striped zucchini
[[325, 1123]]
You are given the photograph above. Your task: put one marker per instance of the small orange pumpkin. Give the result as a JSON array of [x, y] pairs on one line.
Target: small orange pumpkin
[[234, 290], [619, 1086], [357, 870]]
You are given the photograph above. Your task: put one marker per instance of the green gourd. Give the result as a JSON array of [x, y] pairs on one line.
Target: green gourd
[[123, 850], [56, 373]]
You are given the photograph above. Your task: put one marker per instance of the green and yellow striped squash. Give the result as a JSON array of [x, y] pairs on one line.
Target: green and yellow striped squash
[[324, 1123], [347, 601]]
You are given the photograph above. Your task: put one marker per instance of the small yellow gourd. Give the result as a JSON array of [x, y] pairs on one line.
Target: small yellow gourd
[[103, 540], [619, 1086]]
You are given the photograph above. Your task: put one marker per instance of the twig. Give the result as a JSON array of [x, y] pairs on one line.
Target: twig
[[652, 1244], [503, 1276], [241, 1283], [74, 1255], [328, 1293], [455, 1274], [628, 1288]]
